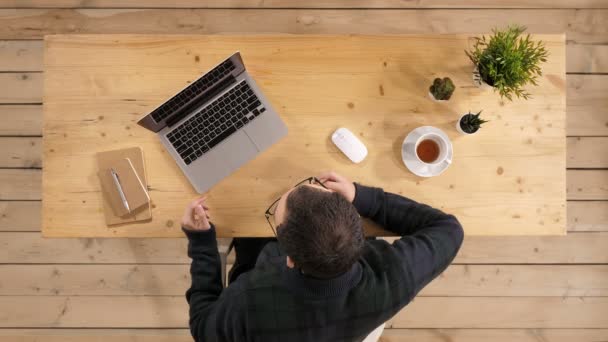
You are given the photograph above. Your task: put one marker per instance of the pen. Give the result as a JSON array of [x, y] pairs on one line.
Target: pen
[[119, 187]]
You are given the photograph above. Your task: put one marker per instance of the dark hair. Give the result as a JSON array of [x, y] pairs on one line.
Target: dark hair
[[322, 232]]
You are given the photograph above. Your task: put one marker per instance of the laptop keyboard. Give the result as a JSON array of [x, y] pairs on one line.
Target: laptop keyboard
[[216, 122], [193, 90]]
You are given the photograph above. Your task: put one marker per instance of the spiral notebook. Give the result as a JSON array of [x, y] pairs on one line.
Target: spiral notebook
[[123, 181]]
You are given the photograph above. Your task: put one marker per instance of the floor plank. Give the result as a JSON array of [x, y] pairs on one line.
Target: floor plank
[[575, 248], [20, 215], [587, 59], [20, 184], [581, 26], [20, 87], [93, 312], [587, 116], [17, 120], [520, 281], [21, 152], [587, 184], [587, 216], [94, 280], [423, 312], [17, 248], [493, 335], [389, 335], [21, 55], [587, 152], [587, 105], [31, 248], [361, 4], [503, 312], [95, 335], [174, 280]]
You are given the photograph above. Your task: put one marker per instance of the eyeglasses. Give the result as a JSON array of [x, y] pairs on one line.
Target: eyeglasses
[[273, 207]]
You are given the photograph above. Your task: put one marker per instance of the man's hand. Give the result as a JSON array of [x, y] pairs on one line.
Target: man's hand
[[196, 216], [339, 184]]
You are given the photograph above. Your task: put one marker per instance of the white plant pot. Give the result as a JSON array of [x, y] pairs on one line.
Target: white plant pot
[[460, 130]]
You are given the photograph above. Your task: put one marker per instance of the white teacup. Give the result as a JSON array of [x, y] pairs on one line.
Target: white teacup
[[443, 148]]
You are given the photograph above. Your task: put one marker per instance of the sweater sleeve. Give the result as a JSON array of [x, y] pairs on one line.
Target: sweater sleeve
[[430, 239], [214, 314]]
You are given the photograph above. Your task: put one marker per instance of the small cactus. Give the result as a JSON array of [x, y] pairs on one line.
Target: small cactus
[[442, 89], [470, 122]]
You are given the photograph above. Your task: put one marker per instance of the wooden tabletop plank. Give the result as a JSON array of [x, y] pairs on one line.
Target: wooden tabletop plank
[[423, 312], [26, 152], [31, 248], [26, 55], [582, 216], [35, 23], [79, 114], [389, 335], [174, 280], [352, 4], [586, 114]]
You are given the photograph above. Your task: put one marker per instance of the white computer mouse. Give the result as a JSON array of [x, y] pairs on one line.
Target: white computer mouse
[[349, 144]]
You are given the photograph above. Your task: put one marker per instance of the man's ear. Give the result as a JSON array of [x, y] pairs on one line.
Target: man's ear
[[290, 263]]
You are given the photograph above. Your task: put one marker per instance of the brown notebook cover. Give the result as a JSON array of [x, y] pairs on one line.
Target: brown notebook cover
[[129, 165], [130, 184]]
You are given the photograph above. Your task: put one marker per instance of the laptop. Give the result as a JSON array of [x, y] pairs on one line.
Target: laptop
[[216, 124]]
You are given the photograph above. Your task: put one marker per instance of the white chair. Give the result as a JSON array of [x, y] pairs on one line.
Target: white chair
[[374, 336]]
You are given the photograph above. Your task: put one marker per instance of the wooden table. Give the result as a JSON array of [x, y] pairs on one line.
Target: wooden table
[[508, 179]]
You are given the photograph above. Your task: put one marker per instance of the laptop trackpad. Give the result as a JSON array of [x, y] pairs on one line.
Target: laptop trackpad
[[238, 150]]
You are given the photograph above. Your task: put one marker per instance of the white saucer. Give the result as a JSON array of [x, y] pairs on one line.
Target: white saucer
[[411, 161]]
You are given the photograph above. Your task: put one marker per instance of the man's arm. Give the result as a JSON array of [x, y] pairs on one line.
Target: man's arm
[[206, 278], [213, 317], [430, 238]]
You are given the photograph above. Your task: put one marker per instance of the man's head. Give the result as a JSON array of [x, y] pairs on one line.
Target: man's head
[[320, 231]]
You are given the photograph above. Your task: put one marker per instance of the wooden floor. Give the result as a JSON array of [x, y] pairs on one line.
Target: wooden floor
[[499, 289]]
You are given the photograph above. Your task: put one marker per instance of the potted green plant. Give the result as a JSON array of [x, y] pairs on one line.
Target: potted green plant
[[507, 61], [442, 89], [469, 123]]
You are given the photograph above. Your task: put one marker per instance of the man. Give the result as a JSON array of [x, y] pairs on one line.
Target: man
[[321, 280]]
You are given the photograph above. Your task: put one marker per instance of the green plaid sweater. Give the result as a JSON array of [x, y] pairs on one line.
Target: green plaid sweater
[[275, 303]]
